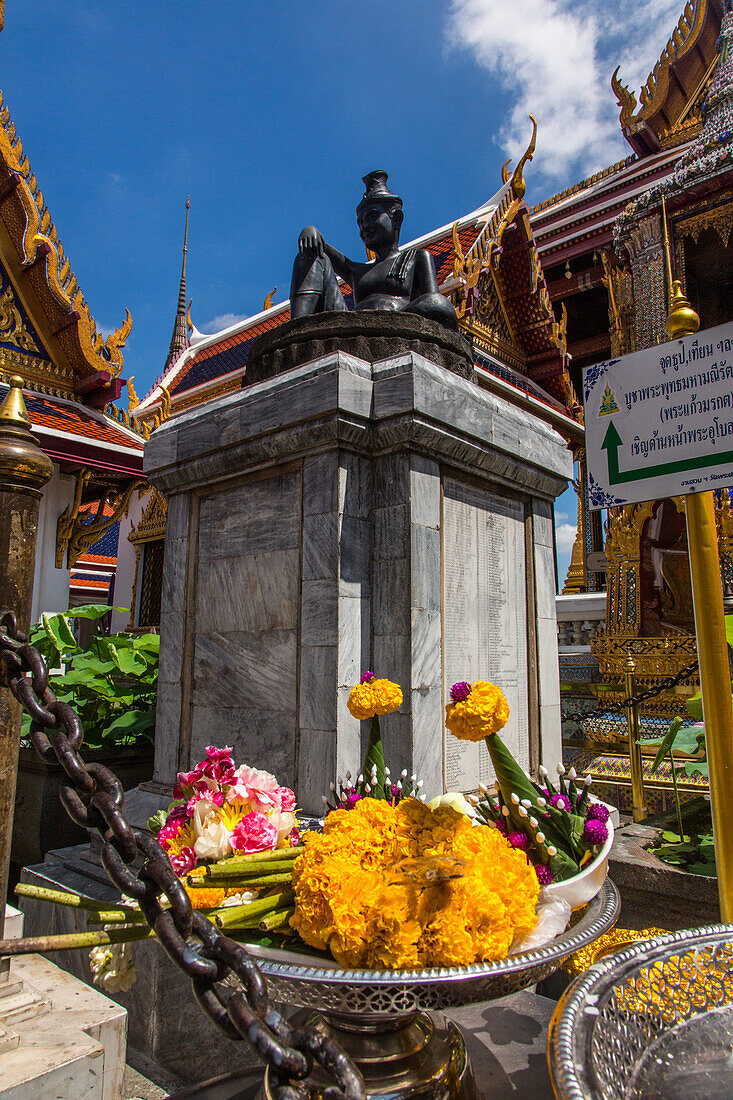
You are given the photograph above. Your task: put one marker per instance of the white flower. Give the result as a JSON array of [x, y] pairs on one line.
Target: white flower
[[212, 835], [112, 967], [455, 800], [240, 899], [284, 823]]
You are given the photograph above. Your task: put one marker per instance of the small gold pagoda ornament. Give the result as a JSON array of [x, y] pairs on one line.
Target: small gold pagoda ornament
[[681, 318], [608, 402]]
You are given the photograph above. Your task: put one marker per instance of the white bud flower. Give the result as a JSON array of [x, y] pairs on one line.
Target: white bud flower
[[324, 800], [543, 772], [560, 769], [541, 802], [515, 798], [526, 803], [521, 810], [332, 786], [541, 838], [403, 773], [572, 774], [348, 776], [533, 822], [551, 850], [505, 811], [420, 783], [368, 789]]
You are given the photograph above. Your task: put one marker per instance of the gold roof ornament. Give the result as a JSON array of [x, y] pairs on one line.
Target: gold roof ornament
[[682, 320], [24, 467], [518, 185]]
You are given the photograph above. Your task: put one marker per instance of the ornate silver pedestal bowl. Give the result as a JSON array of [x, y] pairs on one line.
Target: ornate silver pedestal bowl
[[651, 1022], [389, 1021]]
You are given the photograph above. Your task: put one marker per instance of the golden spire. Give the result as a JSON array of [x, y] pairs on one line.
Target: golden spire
[[179, 339], [681, 317], [23, 465]]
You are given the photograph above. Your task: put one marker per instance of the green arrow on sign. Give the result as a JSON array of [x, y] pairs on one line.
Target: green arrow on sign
[[612, 441]]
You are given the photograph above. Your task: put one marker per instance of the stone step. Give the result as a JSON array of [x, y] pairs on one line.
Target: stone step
[[9, 1039], [9, 988], [22, 1005]]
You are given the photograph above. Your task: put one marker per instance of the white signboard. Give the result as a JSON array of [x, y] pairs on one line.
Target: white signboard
[[660, 422]]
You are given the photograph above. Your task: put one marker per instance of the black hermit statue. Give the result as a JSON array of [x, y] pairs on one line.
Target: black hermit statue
[[394, 280]]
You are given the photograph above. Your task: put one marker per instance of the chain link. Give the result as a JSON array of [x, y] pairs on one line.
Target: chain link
[[680, 677], [93, 797]]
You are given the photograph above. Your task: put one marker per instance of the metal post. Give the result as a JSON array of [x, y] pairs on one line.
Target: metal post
[[717, 708], [24, 470], [638, 799]]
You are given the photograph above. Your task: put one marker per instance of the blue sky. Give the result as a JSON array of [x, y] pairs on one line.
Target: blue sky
[[268, 114]]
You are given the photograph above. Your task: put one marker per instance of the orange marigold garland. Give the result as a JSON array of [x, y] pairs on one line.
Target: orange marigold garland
[[425, 888]]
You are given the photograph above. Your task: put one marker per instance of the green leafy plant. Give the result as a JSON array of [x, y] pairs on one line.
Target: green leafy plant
[[111, 682]]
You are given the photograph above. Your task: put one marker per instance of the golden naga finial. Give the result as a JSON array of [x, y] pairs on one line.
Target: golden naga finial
[[682, 320], [189, 322], [132, 398], [518, 185], [505, 170], [268, 299], [625, 98]]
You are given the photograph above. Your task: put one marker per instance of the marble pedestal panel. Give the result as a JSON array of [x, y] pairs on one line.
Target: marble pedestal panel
[[348, 515]]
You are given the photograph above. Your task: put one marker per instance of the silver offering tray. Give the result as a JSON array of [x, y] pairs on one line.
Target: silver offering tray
[[651, 1022], [386, 1021]]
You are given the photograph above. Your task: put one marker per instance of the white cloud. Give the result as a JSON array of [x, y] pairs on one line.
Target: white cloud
[[565, 537], [555, 58], [224, 320]]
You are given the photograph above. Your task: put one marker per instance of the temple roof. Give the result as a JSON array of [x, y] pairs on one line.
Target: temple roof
[[72, 434], [69, 356], [669, 109]]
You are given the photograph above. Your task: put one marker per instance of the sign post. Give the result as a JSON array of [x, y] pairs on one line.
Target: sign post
[[659, 423]]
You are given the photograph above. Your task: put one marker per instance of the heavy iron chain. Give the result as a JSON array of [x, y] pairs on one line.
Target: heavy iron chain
[[92, 796], [680, 677]]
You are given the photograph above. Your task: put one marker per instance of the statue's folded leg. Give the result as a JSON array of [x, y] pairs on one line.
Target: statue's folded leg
[[436, 307], [314, 288]]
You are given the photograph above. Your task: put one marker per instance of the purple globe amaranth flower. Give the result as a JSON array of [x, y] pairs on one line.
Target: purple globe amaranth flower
[[595, 832], [367, 677], [544, 874], [597, 812], [350, 800], [561, 802], [519, 839], [460, 691]]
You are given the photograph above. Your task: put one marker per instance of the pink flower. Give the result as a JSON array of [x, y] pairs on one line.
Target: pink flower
[[597, 812], [460, 691], [561, 802], [177, 815], [185, 861], [187, 780], [286, 799], [519, 839], [217, 756], [544, 874], [169, 832], [254, 833], [294, 838], [217, 797], [595, 832]]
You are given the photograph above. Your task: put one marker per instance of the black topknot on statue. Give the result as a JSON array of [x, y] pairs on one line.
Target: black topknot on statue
[[393, 280]]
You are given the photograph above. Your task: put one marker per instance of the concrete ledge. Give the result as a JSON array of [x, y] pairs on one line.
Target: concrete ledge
[[654, 894]]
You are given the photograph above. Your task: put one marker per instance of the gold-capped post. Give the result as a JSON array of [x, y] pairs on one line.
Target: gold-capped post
[[712, 646], [24, 470]]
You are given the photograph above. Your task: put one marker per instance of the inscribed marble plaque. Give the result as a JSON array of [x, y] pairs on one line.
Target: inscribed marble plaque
[[484, 618]]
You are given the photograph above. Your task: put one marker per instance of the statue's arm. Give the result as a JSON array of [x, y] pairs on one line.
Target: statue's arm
[[425, 280], [312, 244]]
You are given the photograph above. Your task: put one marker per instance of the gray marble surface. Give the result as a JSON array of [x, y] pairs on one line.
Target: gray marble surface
[[306, 544]]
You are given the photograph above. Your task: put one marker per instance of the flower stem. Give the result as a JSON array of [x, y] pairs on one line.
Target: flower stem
[[261, 857], [241, 916], [375, 756], [71, 941], [226, 871], [62, 897], [275, 920]]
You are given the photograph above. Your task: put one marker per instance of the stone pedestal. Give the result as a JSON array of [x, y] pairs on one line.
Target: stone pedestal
[[348, 514]]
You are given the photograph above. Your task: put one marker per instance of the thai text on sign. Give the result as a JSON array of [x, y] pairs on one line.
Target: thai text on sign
[[660, 422]]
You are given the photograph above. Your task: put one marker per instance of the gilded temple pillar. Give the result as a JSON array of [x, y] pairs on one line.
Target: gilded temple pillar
[[646, 256]]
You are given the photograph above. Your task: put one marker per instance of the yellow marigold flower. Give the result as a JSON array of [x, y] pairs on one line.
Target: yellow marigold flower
[[478, 710], [372, 696], [403, 909]]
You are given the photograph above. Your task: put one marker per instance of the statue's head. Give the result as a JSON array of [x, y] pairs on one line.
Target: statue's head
[[379, 213]]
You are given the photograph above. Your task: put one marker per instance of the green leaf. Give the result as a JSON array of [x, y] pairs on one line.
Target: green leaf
[[697, 767], [157, 821], [127, 661], [375, 758], [694, 706], [86, 663], [729, 629], [706, 869], [667, 742], [58, 629], [93, 611], [132, 721]]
